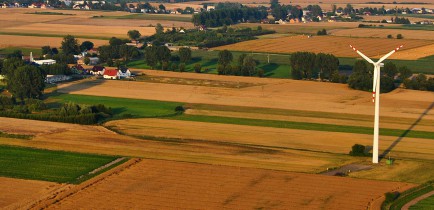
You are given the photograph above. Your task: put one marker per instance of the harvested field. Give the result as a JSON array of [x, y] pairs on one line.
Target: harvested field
[[383, 32], [132, 23], [338, 46], [318, 141], [88, 139], [79, 30], [270, 93], [39, 41], [301, 28], [18, 193], [175, 185]]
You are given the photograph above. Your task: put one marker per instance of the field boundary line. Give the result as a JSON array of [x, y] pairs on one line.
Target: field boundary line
[[65, 193]]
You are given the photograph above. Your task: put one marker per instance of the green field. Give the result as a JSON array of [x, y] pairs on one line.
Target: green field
[[425, 204], [179, 18], [423, 65], [277, 68], [46, 165], [25, 51], [123, 106]]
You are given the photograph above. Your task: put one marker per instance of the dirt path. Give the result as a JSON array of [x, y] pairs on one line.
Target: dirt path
[[416, 200]]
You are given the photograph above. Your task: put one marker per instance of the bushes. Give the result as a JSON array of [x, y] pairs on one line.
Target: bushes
[[197, 68], [420, 82], [358, 150], [68, 113], [321, 32]]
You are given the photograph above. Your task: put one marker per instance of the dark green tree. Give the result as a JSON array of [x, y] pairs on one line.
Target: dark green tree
[[184, 54], [163, 54], [46, 50], [326, 64], [26, 82], [302, 65], [86, 45], [225, 58], [159, 29], [115, 41], [15, 54], [134, 34], [70, 45], [390, 69], [151, 56], [361, 78], [404, 72], [249, 66]]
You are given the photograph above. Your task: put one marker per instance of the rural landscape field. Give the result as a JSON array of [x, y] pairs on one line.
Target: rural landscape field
[[216, 105]]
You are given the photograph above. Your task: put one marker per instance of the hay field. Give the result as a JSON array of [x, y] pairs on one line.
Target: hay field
[[382, 33], [88, 139], [78, 30], [338, 46], [22, 21], [156, 184], [18, 193], [318, 141], [270, 93], [38, 41]]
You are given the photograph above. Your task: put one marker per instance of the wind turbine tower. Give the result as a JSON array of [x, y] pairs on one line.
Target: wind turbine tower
[[376, 96]]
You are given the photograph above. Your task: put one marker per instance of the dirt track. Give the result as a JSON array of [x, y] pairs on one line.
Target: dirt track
[[155, 184]]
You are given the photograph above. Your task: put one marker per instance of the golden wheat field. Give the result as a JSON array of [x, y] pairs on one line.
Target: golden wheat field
[[338, 46], [156, 184], [382, 33]]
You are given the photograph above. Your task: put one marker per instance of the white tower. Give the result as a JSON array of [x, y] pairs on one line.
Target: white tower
[[376, 96]]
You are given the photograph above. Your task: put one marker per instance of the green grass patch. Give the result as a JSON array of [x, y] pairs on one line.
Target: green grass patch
[[15, 136], [47, 165], [179, 18], [305, 126], [26, 51], [423, 65], [53, 35], [302, 113], [425, 204], [123, 107], [47, 13]]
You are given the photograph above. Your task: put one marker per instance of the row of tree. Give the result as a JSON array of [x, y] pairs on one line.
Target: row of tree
[[305, 65], [246, 65], [220, 17]]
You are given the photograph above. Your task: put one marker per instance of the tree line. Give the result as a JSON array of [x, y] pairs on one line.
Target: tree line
[[220, 17]]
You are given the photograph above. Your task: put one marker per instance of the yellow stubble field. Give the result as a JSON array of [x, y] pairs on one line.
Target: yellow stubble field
[[338, 46]]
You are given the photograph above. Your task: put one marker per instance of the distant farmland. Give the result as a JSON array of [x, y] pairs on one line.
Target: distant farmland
[[338, 46]]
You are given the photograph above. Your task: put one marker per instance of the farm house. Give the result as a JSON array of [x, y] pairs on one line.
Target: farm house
[[111, 74]]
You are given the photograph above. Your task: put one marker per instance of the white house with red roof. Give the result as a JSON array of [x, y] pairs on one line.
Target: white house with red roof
[[111, 74]]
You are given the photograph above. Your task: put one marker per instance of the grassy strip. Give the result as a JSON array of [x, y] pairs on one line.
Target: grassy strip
[[124, 107], [409, 195], [425, 204], [53, 35], [47, 13], [306, 126], [15, 136], [423, 65], [179, 18], [301, 113], [89, 176], [47, 165]]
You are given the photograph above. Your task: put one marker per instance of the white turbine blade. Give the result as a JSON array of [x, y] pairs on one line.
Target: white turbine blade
[[389, 54], [361, 54]]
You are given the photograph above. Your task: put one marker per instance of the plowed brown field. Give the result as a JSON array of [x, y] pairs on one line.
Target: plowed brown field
[[154, 184], [338, 46]]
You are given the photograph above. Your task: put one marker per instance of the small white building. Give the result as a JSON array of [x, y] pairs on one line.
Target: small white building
[[124, 72], [41, 62], [56, 78]]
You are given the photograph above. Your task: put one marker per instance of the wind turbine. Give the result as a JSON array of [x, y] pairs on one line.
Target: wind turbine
[[376, 96]]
